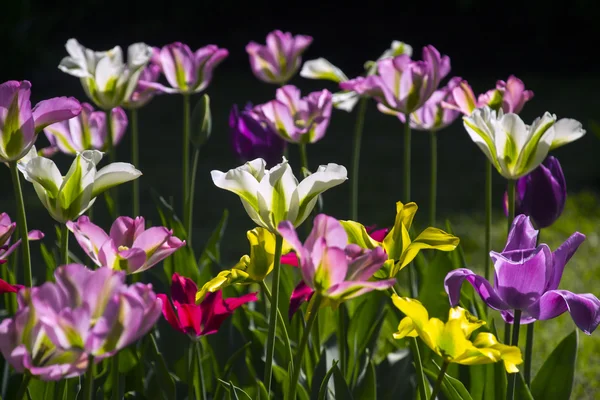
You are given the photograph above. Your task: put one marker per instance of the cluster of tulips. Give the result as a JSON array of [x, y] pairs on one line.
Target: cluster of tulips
[[89, 311]]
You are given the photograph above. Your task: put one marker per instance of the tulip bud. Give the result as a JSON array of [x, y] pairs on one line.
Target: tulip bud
[[201, 122]]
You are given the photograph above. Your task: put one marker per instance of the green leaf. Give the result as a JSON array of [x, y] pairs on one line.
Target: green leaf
[[262, 391], [201, 122], [555, 378], [211, 254], [342, 391], [521, 390], [49, 260], [319, 375], [162, 371], [366, 387], [452, 388], [432, 293]]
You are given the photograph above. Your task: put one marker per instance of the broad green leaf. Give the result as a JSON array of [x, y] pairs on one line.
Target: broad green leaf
[[342, 391], [162, 371], [555, 378], [325, 382], [452, 388], [366, 388], [318, 375]]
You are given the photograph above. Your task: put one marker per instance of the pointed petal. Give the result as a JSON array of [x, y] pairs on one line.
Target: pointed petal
[[584, 308], [89, 236], [413, 309], [112, 175], [183, 290], [320, 68], [566, 130], [562, 255], [522, 234], [429, 239], [53, 110], [302, 293], [350, 289], [453, 283]]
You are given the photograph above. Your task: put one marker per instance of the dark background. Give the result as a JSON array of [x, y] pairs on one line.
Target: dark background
[[553, 49]]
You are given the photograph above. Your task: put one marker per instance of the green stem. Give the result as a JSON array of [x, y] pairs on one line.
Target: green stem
[[488, 219], [421, 382], [440, 379], [112, 157], [190, 202], [529, 353], [22, 223], [201, 389], [273, 314], [406, 194], [358, 130], [286, 336], [88, 385], [506, 333], [191, 365], [433, 181], [23, 387], [135, 160], [303, 158], [114, 370], [64, 244], [186, 153], [316, 303], [342, 338], [512, 378], [511, 203]]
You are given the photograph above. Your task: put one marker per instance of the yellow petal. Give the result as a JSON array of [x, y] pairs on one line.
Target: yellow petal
[[221, 281], [413, 309], [452, 341], [406, 213], [357, 234], [262, 253], [397, 240], [511, 355], [406, 328], [431, 334], [430, 238], [468, 322]]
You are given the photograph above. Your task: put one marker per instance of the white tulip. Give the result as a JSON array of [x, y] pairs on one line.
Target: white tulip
[[272, 196]]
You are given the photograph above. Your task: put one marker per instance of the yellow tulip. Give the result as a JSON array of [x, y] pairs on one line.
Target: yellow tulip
[[450, 340], [397, 243]]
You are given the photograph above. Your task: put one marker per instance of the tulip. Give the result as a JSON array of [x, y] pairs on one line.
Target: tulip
[[68, 197], [277, 61], [196, 320], [514, 95], [129, 246], [397, 244], [87, 131], [20, 124], [403, 85], [145, 89], [252, 138], [85, 313], [297, 120], [450, 340], [6, 287], [513, 147], [541, 194], [272, 196], [105, 78], [527, 279], [7, 227]]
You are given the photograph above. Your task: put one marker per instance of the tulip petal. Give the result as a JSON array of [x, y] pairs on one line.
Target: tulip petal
[[453, 283], [320, 68], [357, 234], [6, 287], [301, 294], [406, 328], [510, 355], [112, 175], [169, 313], [584, 308], [350, 289], [45, 173], [53, 110], [215, 310], [326, 177], [89, 236], [562, 255], [566, 130], [183, 290], [522, 234], [430, 238]]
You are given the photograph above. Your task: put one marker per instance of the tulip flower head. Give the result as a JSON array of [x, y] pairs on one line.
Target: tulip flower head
[[106, 79], [297, 119], [7, 227], [129, 246], [331, 267], [541, 194], [450, 340], [6, 287], [145, 89], [87, 131], [275, 195], [277, 61], [401, 84], [398, 245], [196, 320], [187, 72], [253, 138], [527, 279], [20, 124], [67, 197], [514, 148], [85, 313]]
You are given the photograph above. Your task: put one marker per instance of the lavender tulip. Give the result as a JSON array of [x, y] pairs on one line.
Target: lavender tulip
[[295, 119], [20, 124], [129, 246], [145, 89], [7, 227], [541, 194], [85, 313], [403, 85], [87, 131], [252, 138], [277, 61], [527, 279]]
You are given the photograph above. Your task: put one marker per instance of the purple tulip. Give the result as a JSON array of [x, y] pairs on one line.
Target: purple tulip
[[7, 227], [146, 89], [403, 85], [297, 119], [86, 131], [432, 116], [527, 279], [541, 194], [252, 138], [129, 246], [20, 124], [58, 325], [279, 60], [330, 266]]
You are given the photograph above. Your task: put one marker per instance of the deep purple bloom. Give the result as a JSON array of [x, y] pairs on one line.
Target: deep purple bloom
[[541, 194], [527, 279], [252, 138]]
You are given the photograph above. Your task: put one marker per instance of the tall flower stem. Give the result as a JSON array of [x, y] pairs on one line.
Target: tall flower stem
[[116, 376], [488, 219], [286, 336], [88, 385], [529, 353], [191, 365], [302, 346], [186, 153], [112, 157], [273, 314], [303, 158], [421, 382], [342, 338], [406, 194], [22, 223], [201, 389], [358, 131], [135, 160], [64, 244], [440, 379], [433, 180], [512, 378], [23, 388], [510, 219], [190, 201]]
